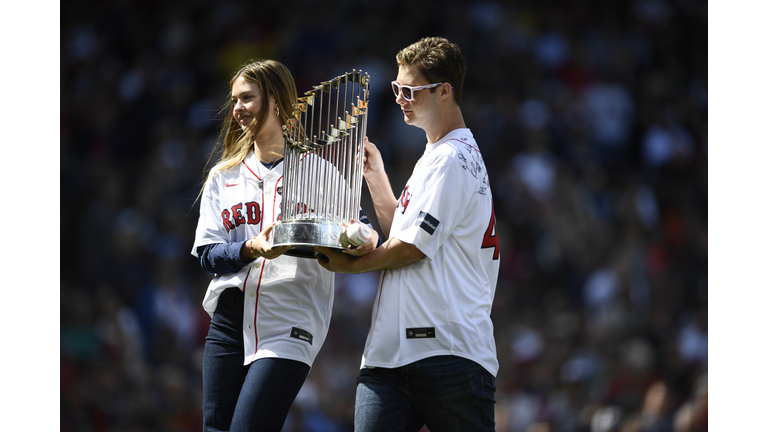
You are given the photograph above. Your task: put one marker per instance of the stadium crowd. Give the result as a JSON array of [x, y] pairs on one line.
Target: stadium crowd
[[592, 117]]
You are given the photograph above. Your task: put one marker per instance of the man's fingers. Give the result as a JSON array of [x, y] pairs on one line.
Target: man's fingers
[[322, 258]]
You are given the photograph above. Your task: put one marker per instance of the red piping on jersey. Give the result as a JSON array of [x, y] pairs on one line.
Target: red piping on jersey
[[246, 279], [261, 221], [256, 310], [264, 264], [249, 169], [476, 149], [245, 282], [274, 202]]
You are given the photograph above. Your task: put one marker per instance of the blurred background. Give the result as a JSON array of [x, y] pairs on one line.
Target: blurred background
[[592, 117]]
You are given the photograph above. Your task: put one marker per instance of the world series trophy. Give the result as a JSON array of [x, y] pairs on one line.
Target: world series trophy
[[323, 165]]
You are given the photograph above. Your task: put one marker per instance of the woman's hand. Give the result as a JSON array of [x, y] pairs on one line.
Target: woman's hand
[[261, 246]]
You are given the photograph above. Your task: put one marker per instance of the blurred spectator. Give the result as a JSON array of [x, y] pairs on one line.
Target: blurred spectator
[[606, 419], [666, 141], [692, 415]]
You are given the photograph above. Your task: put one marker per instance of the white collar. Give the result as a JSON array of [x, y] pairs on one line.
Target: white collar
[[460, 134]]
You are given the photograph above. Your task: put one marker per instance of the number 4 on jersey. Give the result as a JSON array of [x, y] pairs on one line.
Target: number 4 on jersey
[[490, 239]]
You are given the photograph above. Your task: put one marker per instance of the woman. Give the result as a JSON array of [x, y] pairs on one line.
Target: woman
[[269, 312]]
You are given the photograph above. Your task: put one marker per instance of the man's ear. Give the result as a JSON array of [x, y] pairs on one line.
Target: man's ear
[[445, 90]]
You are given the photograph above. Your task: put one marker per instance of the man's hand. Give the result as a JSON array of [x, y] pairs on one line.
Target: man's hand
[[372, 161], [334, 261], [363, 248], [392, 254], [384, 200]]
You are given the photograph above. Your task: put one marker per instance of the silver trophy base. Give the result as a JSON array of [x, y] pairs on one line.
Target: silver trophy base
[[304, 235]]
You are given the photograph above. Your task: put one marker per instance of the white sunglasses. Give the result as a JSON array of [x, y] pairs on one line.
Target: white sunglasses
[[407, 91]]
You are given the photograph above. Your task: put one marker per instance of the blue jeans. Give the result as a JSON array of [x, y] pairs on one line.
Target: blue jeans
[[256, 397], [447, 393]]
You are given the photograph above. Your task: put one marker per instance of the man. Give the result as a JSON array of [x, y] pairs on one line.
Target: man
[[430, 356]]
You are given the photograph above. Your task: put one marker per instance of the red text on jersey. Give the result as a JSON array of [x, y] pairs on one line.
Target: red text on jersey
[[490, 239], [234, 216], [405, 199]]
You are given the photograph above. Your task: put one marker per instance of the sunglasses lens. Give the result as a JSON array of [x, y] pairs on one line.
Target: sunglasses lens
[[407, 93], [396, 89]]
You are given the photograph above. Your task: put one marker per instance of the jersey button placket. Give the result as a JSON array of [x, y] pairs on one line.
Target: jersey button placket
[[270, 189]]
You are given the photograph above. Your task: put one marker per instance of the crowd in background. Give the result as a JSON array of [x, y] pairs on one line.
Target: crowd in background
[[592, 118]]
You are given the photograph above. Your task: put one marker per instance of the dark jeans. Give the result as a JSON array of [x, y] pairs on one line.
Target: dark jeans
[[255, 397], [447, 393]]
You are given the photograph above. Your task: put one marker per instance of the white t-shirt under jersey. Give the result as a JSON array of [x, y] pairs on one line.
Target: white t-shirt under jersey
[[441, 304]]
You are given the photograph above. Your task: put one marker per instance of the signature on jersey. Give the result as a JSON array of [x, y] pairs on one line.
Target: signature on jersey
[[476, 167]]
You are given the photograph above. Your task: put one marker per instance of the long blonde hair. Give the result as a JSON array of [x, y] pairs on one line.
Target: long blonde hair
[[273, 79]]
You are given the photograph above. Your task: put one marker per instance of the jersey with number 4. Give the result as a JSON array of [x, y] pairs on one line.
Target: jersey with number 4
[[440, 305]]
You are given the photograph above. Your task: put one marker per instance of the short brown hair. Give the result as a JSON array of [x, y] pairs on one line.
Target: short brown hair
[[439, 60]]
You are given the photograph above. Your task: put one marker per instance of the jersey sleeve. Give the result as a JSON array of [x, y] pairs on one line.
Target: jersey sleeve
[[209, 227], [221, 258], [434, 209]]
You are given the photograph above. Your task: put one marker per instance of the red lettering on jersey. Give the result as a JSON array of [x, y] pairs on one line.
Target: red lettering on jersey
[[490, 239], [253, 210], [225, 220], [237, 212], [405, 199], [253, 214]]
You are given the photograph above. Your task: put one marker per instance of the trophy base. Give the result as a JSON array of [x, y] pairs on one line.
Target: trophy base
[[304, 235]]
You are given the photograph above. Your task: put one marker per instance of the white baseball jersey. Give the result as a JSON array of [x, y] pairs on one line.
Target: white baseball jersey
[[288, 300], [440, 305]]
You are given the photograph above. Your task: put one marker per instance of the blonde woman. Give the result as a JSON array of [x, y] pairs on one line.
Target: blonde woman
[[270, 312]]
